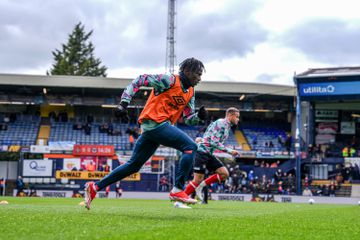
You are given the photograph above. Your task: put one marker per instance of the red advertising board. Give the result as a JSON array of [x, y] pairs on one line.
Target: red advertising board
[[93, 150]]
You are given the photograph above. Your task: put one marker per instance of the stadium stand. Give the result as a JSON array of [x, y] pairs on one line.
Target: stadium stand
[[61, 131], [264, 137], [257, 130], [21, 131]]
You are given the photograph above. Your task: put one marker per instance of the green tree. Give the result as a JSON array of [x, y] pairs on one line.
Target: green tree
[[77, 56]]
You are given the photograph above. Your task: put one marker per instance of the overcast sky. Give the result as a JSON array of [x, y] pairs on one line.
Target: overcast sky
[[238, 40]]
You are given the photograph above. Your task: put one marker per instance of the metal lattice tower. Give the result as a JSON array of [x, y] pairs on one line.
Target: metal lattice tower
[[170, 38]]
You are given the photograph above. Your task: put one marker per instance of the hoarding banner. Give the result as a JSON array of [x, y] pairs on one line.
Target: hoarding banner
[[91, 175], [329, 88], [93, 150], [37, 168]]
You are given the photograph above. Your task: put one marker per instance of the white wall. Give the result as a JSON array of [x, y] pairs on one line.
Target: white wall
[[8, 170]]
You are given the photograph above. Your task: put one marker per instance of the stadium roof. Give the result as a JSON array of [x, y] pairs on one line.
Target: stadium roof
[[22, 80], [330, 72]]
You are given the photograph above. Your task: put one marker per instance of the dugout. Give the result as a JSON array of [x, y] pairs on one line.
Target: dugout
[[328, 118]]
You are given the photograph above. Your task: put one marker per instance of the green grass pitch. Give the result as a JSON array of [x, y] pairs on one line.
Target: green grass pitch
[[53, 218]]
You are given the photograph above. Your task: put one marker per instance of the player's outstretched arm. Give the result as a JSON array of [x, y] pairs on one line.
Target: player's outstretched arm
[[159, 82]]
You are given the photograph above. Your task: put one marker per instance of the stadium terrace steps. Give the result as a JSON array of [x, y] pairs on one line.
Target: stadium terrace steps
[[239, 136], [44, 134]]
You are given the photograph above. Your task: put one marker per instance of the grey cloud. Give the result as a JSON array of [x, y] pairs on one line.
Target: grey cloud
[[218, 36], [42, 26], [327, 40], [31, 30]]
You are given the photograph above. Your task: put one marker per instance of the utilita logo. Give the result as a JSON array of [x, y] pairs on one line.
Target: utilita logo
[[327, 89]]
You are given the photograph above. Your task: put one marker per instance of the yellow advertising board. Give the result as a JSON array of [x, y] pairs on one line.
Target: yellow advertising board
[[84, 175]]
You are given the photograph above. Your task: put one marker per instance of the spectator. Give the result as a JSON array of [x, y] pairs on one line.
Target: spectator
[[6, 119], [63, 116], [280, 188], [100, 168], [164, 184], [106, 168], [235, 183], [77, 126], [107, 191], [103, 128], [87, 128], [110, 130], [76, 194], [325, 190], [332, 190], [251, 175], [131, 141], [307, 180], [291, 179], [90, 119], [19, 186], [270, 198], [278, 175], [2, 187], [118, 189], [91, 167], [263, 180], [33, 193], [3, 127], [274, 165], [352, 152], [288, 143], [339, 178], [345, 151], [307, 192], [262, 164]]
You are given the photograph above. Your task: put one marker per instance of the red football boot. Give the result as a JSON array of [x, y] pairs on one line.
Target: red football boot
[[182, 197], [90, 194]]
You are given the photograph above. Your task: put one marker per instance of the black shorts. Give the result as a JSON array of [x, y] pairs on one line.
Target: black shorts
[[205, 161]]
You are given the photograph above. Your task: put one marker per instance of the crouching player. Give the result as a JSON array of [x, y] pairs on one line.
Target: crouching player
[[213, 139]]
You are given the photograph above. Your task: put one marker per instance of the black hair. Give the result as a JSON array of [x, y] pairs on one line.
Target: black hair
[[191, 64]]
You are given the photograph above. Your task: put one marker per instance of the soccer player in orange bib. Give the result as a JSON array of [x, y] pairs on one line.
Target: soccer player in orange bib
[[172, 95]]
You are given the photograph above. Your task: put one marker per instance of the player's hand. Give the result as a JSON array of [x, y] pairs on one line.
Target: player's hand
[[121, 111], [202, 113], [234, 153]]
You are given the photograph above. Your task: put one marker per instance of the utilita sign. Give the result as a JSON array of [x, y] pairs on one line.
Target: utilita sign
[[329, 88]]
